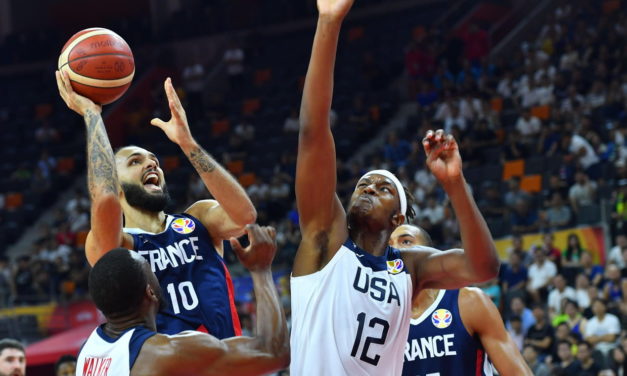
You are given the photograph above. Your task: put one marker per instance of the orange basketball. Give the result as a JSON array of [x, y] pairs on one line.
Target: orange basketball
[[100, 64]]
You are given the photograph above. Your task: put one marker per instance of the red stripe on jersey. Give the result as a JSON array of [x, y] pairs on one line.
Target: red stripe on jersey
[[479, 369], [202, 329], [237, 328]]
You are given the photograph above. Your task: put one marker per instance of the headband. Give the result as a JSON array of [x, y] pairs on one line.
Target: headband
[[399, 187]]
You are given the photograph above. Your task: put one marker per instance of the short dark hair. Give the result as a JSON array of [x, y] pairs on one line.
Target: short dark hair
[[10, 343], [410, 213], [117, 283], [64, 359]]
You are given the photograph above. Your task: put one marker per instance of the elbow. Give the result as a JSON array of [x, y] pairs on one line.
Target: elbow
[[489, 268], [248, 216]]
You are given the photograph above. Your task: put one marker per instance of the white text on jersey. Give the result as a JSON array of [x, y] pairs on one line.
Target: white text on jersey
[[430, 347], [183, 252], [377, 287]]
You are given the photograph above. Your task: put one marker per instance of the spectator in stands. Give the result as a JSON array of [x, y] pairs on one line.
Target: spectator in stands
[[614, 287], [12, 358], [540, 334], [245, 129], [581, 149], [518, 309], [565, 364], [65, 366], [234, 60], [557, 296], [513, 277], [582, 288], [491, 203], [77, 203], [396, 151], [616, 253], [23, 281], [524, 218], [589, 366], [45, 134], [573, 252], [515, 194], [291, 123], [618, 361], [558, 215], [553, 253], [603, 328], [538, 367], [541, 272], [593, 272], [46, 164], [6, 282], [563, 333], [516, 332], [528, 127]]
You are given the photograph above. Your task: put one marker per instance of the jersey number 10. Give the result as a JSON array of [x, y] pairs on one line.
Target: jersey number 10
[[189, 299], [361, 319]]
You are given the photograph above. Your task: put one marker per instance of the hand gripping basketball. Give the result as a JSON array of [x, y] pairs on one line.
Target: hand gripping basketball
[[74, 101], [259, 254]]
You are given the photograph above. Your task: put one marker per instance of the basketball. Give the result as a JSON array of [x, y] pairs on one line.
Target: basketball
[[100, 64]]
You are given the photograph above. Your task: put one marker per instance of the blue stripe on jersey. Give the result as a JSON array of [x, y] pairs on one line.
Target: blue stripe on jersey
[[376, 263], [191, 274], [440, 343], [140, 335]]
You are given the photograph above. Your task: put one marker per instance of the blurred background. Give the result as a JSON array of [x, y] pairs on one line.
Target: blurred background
[[535, 92]]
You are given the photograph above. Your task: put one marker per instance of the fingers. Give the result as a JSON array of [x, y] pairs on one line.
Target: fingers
[[158, 123], [438, 141], [236, 246], [60, 85]]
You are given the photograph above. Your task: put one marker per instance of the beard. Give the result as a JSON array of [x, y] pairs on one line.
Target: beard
[[138, 198]]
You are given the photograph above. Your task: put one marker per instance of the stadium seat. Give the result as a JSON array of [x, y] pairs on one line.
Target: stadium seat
[[513, 168], [66, 165], [14, 200], [247, 179], [589, 215], [235, 167], [531, 183]]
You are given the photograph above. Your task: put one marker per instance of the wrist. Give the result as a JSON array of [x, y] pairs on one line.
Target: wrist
[[454, 184], [261, 273], [330, 20], [188, 144]]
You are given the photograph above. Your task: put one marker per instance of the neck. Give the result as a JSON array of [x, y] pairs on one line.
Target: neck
[[423, 301], [373, 242], [114, 327], [148, 221]]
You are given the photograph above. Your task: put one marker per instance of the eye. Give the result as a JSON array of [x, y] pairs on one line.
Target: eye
[[133, 162], [406, 242], [361, 185], [386, 189]]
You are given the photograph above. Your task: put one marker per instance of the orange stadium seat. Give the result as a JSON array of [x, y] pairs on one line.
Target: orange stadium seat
[[250, 106], [541, 112], [247, 179], [262, 76], [513, 168], [496, 104], [531, 183], [171, 162], [14, 200], [235, 167], [66, 165], [219, 127]]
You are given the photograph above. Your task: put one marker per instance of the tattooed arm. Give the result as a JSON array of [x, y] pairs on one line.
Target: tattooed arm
[[106, 211], [232, 210]]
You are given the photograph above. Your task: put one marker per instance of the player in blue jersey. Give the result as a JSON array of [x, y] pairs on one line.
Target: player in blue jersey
[[454, 332], [128, 344], [184, 250]]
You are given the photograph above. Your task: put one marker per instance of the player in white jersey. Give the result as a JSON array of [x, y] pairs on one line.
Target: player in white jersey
[[351, 292], [455, 332], [126, 290]]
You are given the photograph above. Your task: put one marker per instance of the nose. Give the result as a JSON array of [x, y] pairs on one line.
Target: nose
[[151, 164], [369, 189]]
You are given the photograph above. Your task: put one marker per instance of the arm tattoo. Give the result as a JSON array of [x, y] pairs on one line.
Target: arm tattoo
[[201, 160], [101, 173]]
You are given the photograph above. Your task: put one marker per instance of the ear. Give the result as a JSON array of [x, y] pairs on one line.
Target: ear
[[150, 293], [398, 219]]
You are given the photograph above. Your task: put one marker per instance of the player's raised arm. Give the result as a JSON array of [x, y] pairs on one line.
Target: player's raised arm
[[483, 319], [266, 352], [318, 206], [478, 261], [233, 209], [106, 211]]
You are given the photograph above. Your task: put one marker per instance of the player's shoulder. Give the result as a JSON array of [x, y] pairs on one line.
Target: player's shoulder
[[186, 342]]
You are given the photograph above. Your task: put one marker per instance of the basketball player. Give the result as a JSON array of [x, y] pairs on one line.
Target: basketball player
[[453, 332], [127, 292], [351, 292], [184, 250]]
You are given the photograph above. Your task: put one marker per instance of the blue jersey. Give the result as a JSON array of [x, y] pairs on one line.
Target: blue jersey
[[439, 344], [193, 277]]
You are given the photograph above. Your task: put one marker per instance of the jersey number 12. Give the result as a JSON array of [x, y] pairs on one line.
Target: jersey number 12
[[189, 299], [361, 319]]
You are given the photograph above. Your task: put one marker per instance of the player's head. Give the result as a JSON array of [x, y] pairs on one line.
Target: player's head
[[12, 358], [379, 201], [407, 236], [65, 366], [141, 179], [122, 285]]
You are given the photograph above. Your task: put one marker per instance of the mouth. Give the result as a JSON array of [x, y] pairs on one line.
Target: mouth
[[152, 182]]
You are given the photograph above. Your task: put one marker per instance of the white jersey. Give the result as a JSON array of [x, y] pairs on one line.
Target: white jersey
[[102, 355], [352, 317]]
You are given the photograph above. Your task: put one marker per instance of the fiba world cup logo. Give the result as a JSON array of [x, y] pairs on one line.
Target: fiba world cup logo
[[395, 266], [441, 318], [183, 225]]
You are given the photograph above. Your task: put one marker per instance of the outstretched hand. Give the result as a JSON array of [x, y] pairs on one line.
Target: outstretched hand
[[260, 252], [176, 128], [74, 101], [334, 8], [443, 156]]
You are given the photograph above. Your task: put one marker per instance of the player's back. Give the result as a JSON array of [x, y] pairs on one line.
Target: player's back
[[193, 277], [439, 343], [351, 317], [102, 355]]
